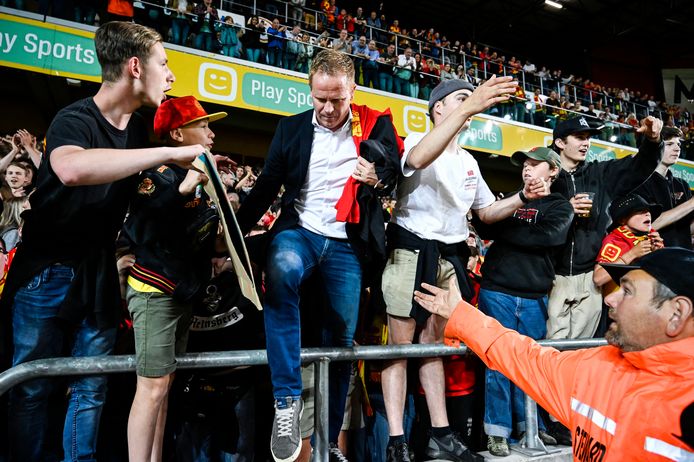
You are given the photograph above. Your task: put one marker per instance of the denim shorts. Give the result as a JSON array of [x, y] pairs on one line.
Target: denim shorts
[[161, 331]]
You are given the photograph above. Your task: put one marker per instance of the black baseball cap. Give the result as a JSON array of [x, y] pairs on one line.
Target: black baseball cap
[[671, 266], [574, 125]]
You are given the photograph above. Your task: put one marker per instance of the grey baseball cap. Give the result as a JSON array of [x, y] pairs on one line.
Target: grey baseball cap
[[447, 87]]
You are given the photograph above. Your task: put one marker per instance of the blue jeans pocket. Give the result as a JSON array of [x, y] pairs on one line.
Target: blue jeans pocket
[[35, 281]]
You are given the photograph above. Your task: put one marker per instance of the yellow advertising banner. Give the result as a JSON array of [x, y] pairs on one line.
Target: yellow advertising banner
[[65, 51]]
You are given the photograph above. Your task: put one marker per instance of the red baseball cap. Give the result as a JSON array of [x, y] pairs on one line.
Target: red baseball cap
[[178, 112]]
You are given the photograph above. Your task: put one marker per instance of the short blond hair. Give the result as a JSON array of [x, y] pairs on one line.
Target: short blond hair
[[333, 63]]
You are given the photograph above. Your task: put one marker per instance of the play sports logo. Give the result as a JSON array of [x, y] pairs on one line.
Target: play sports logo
[[217, 82]]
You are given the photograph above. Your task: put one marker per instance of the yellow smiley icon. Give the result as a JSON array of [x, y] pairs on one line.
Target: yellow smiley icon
[[217, 82], [416, 120]]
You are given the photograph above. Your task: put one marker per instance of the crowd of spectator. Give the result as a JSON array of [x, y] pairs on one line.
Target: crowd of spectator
[[202, 392], [388, 56], [203, 416]]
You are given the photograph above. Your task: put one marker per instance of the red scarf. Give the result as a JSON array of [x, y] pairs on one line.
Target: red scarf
[[363, 121]]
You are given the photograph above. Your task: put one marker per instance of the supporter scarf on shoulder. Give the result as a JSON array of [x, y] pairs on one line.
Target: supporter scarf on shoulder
[[363, 121]]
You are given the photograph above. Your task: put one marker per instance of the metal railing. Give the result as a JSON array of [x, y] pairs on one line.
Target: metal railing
[[96, 365]]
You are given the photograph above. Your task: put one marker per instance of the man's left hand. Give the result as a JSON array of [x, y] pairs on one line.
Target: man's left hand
[[365, 172]]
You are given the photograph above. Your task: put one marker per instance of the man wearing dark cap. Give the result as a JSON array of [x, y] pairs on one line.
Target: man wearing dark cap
[[575, 301], [517, 275], [427, 235], [171, 231], [624, 401]]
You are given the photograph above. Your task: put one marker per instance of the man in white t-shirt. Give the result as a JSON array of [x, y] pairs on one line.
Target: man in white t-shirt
[[427, 235]]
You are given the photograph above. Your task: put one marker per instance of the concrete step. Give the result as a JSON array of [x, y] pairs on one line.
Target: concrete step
[[563, 455]]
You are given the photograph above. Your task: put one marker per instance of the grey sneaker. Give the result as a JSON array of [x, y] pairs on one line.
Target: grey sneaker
[[285, 442], [335, 455], [546, 438], [498, 446]]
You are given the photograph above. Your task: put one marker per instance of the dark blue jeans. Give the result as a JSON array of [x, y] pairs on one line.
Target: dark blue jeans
[[205, 41], [385, 81], [292, 257], [377, 425], [37, 335], [195, 442], [274, 56], [503, 399], [180, 28]]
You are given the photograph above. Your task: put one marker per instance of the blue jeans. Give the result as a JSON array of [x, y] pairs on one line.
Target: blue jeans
[[38, 335], [377, 425], [196, 442], [274, 56], [289, 61], [369, 74], [292, 257], [401, 86], [502, 399], [204, 41], [385, 81], [179, 31], [253, 54]]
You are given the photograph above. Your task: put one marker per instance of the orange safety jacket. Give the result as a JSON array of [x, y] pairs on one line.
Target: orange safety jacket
[[619, 406]]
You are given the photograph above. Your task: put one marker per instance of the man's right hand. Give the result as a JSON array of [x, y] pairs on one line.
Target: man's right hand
[[183, 156], [439, 301], [191, 181], [491, 92], [581, 204]]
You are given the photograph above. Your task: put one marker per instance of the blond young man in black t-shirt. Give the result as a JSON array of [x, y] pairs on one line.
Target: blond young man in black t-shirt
[[63, 286]]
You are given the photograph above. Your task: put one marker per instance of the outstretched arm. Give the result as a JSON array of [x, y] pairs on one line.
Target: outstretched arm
[[494, 90], [76, 166]]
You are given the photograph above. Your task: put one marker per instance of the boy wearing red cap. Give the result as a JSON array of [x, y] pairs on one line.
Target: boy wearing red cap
[[171, 230]]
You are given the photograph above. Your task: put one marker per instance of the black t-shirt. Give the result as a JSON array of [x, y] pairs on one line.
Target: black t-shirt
[[669, 192], [79, 224]]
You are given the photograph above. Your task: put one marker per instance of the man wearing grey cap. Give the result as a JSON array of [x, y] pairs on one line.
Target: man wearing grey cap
[[625, 401], [518, 272], [440, 184]]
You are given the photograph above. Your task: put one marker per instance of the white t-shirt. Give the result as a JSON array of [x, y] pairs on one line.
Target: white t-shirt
[[433, 202]]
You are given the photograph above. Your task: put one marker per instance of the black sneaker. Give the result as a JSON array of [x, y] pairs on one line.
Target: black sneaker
[[285, 442], [560, 433], [335, 455], [398, 452], [450, 447]]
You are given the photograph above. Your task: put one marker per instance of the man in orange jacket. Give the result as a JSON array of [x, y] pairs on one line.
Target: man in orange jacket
[[625, 401]]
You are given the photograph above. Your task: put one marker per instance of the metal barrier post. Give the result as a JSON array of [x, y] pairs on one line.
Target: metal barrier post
[[321, 411], [531, 444]]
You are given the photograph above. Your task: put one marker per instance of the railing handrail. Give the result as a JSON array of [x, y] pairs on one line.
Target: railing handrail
[[571, 89], [94, 365]]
